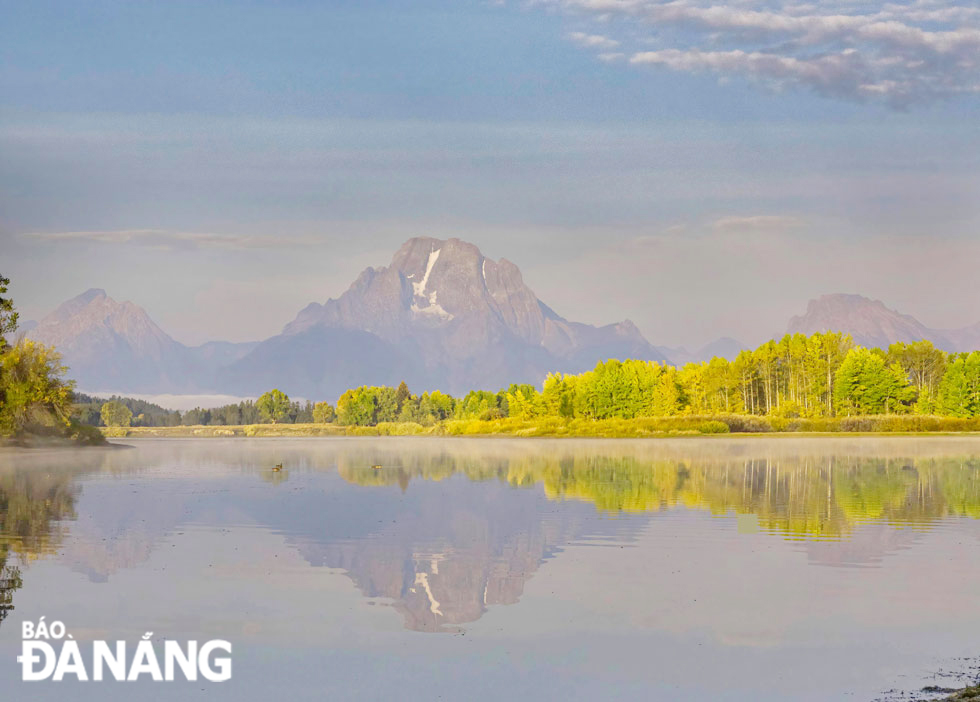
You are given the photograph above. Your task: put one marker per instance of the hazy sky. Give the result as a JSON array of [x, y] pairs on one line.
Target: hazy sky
[[702, 167]]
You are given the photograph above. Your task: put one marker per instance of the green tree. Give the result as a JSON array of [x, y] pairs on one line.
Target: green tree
[[115, 414], [866, 385], [323, 413], [559, 395], [196, 417], [401, 394], [959, 390], [925, 366], [356, 407], [436, 406], [410, 410], [386, 405], [8, 316], [230, 415], [34, 395], [478, 404], [274, 406], [525, 406], [667, 395]]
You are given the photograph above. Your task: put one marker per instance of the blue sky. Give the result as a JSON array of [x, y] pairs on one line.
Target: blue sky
[[700, 167]]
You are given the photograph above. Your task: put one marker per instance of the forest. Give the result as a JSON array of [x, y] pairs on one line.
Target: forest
[[793, 383], [819, 377]]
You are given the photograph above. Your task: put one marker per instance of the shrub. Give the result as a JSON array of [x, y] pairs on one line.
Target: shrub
[[713, 427], [85, 434], [400, 429], [746, 423], [857, 424]]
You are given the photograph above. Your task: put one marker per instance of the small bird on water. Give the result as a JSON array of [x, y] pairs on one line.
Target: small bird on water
[[276, 468]]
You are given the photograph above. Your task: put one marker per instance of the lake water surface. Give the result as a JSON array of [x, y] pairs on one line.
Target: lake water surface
[[468, 569]]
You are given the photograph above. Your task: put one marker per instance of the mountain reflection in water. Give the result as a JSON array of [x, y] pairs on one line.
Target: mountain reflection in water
[[443, 529]]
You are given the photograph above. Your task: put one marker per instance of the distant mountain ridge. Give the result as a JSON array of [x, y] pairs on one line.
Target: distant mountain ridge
[[113, 345], [116, 346], [440, 316], [725, 347], [872, 324]]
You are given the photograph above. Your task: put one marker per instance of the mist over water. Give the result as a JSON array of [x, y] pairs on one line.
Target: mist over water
[[724, 568]]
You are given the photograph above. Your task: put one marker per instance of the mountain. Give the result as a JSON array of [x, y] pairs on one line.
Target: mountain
[[116, 346], [441, 315], [222, 353], [872, 324], [725, 347], [965, 338]]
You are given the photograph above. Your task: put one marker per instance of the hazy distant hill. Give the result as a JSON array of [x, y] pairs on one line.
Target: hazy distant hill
[[871, 323], [116, 346], [113, 345], [725, 347], [222, 353], [441, 315]]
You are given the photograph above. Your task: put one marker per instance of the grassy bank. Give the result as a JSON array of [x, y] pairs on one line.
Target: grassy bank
[[56, 435], [557, 427]]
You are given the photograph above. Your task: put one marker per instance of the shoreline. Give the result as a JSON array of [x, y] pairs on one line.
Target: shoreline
[[971, 692], [440, 431]]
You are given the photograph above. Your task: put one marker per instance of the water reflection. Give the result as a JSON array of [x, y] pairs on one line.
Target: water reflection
[[812, 497], [443, 530], [35, 503]]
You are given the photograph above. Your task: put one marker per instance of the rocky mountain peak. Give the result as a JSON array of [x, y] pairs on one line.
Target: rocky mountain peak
[[868, 321], [847, 304], [93, 297], [91, 294], [94, 314], [432, 283], [111, 345], [468, 317]]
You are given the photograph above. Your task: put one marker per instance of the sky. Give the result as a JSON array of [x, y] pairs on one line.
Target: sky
[[701, 167]]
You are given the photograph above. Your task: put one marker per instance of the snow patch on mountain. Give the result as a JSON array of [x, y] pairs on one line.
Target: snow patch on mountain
[[432, 307]]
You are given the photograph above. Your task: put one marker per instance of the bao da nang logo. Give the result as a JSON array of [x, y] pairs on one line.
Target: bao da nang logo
[[50, 652]]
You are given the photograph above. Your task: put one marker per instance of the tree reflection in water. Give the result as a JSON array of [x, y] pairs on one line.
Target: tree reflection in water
[[442, 551], [35, 501], [800, 496]]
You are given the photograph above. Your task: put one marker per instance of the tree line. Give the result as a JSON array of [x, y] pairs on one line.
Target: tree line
[[798, 376], [272, 407]]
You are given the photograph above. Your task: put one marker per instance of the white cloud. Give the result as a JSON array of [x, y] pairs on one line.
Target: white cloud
[[756, 223], [897, 53], [593, 41], [163, 239]]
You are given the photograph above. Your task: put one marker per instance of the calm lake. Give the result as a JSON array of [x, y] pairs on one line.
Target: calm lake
[[467, 569]]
